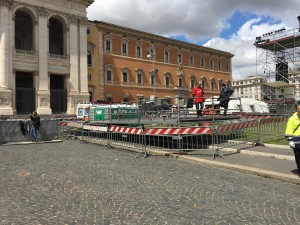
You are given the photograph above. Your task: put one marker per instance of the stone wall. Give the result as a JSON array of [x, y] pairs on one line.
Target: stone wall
[[10, 131]]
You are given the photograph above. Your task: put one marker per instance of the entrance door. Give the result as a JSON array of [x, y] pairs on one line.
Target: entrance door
[[25, 93], [58, 99]]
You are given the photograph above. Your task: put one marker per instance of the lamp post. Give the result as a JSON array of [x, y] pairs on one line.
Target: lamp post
[[151, 56]]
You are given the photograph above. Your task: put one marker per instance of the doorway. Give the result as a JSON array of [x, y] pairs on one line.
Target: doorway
[[25, 93], [58, 93]]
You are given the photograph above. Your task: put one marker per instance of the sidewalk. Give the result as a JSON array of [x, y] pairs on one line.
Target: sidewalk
[[272, 161]]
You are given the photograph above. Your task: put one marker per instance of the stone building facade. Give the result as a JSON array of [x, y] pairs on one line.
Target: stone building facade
[[43, 48], [126, 65]]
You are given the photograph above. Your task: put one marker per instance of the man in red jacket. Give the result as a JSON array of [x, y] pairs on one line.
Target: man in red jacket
[[198, 93]]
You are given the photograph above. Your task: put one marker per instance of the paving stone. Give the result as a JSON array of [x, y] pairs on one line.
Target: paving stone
[[79, 183]]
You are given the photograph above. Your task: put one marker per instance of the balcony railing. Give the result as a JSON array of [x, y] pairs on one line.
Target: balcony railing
[[25, 52], [54, 56]]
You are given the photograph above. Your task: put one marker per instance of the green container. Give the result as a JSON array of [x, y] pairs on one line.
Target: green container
[[114, 112]]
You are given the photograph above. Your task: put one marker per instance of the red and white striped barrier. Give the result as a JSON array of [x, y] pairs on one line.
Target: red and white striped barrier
[[128, 130], [236, 126], [255, 116], [176, 131], [273, 120]]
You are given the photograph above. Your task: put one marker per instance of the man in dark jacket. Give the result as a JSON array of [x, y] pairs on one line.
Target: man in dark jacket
[[224, 97], [35, 125]]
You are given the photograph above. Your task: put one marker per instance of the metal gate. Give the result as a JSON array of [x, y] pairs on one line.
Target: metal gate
[[58, 101], [25, 100]]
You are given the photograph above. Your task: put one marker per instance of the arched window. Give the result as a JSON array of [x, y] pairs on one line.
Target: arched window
[[24, 31], [56, 36]]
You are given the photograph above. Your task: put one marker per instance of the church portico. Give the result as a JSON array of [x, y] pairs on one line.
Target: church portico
[[47, 40]]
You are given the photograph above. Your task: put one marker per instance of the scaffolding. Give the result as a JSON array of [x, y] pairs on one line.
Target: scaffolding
[[278, 64]]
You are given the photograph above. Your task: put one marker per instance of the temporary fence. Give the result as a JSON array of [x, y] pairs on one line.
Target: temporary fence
[[179, 139]]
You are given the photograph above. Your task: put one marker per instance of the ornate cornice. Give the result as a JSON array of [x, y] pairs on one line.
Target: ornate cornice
[[156, 38]]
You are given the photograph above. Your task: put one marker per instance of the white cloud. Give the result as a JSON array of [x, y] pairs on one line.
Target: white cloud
[[241, 44], [200, 20]]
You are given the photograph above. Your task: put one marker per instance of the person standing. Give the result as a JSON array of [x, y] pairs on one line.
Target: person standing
[[292, 134], [224, 97], [198, 93], [35, 125]]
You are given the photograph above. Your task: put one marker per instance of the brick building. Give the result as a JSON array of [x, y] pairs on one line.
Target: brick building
[[126, 64]]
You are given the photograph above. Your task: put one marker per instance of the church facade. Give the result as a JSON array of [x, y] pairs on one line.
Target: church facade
[[43, 56]]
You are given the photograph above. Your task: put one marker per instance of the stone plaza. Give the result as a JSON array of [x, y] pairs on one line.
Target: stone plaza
[[74, 182]]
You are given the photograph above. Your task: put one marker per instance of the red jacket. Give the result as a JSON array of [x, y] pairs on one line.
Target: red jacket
[[198, 94]]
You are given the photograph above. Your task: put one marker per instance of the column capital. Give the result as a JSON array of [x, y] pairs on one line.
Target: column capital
[[73, 19], [42, 12], [83, 21]]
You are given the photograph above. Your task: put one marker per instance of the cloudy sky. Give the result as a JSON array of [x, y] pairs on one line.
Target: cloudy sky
[[229, 25]]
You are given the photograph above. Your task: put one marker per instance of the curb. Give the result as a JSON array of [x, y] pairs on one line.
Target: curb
[[249, 170], [31, 143], [263, 154]]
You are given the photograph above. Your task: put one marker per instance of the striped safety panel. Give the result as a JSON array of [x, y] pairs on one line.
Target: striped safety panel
[[176, 131]]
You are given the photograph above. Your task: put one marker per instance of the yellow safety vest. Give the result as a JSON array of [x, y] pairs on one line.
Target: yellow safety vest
[[291, 126]]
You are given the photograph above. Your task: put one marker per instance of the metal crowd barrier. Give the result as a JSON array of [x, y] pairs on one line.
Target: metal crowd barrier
[[181, 139]]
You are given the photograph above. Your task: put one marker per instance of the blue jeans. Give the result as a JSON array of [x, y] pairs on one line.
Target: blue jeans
[[33, 132]]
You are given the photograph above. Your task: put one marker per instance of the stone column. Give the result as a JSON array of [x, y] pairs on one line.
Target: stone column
[[5, 58], [83, 59], [73, 96], [43, 93]]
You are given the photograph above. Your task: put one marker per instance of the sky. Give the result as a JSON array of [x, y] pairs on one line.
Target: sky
[[227, 25]]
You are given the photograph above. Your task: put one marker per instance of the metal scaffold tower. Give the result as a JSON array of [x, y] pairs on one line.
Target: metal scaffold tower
[[278, 64]]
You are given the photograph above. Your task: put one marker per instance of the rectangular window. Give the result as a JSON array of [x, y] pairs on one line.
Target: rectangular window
[[167, 81], [138, 51], [109, 99], [88, 31], [219, 65], [108, 45], [166, 56], [108, 75], [125, 99], [191, 60], [124, 48], [202, 62], [180, 82], [125, 77], [139, 78], [192, 83], [152, 80], [89, 77], [203, 83], [179, 58], [212, 85]]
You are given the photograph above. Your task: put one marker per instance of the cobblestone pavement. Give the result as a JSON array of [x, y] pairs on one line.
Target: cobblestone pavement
[[78, 183]]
